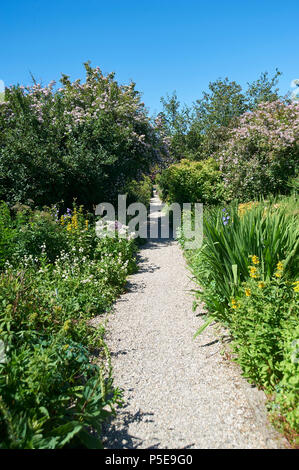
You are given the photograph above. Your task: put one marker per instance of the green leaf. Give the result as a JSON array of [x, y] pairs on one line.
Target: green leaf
[[91, 442], [235, 273], [203, 327]]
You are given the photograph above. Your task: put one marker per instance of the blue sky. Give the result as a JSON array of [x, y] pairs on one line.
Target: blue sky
[[162, 45]]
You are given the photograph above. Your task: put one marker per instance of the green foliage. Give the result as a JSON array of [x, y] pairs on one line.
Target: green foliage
[[174, 122], [84, 141], [258, 318], [51, 394], [285, 405], [197, 132], [140, 191], [7, 234], [191, 182], [247, 270], [217, 111], [261, 154], [231, 235], [38, 232], [263, 90], [264, 325]]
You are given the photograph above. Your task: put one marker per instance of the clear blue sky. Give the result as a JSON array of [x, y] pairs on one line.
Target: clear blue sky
[[162, 45]]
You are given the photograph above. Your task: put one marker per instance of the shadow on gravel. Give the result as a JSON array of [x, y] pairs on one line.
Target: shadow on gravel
[[154, 244], [209, 344], [119, 438]]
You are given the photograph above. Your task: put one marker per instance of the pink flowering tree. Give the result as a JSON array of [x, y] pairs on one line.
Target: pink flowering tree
[[82, 140], [262, 151]]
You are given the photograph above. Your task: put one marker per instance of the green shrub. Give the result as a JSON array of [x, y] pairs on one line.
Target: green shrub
[[231, 235], [59, 276], [140, 191], [264, 325], [38, 232], [51, 395], [189, 181], [261, 155], [259, 314], [85, 141], [7, 234], [247, 269], [285, 404]]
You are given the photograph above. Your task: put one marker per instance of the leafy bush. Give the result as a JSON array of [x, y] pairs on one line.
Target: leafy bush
[[259, 314], [247, 269], [189, 181], [53, 281], [196, 132], [140, 191], [231, 235], [7, 234], [51, 395], [264, 325], [285, 404], [84, 141], [38, 232], [262, 153]]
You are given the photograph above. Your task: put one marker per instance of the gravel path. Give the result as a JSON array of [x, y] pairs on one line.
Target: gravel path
[[178, 392]]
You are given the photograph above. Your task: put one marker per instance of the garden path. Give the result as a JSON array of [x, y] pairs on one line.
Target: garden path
[[178, 392]]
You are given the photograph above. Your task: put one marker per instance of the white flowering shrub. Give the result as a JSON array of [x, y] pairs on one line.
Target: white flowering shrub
[[82, 140], [113, 228], [56, 275], [262, 152]]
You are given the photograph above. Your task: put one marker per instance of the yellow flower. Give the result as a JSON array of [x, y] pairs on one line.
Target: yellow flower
[[254, 259], [75, 221], [279, 269], [296, 284], [279, 266], [66, 325], [253, 272], [69, 227], [86, 224], [247, 292], [247, 206], [62, 220], [261, 285], [234, 304]]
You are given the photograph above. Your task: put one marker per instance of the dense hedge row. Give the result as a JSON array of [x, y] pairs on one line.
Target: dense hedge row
[[260, 156], [190, 181], [85, 141]]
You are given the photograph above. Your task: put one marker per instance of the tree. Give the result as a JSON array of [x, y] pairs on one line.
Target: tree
[[217, 111], [85, 141], [262, 90], [199, 132], [175, 121]]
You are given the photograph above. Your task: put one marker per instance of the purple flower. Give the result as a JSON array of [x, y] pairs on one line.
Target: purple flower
[[225, 217]]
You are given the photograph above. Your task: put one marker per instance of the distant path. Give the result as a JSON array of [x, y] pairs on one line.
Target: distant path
[[178, 392]]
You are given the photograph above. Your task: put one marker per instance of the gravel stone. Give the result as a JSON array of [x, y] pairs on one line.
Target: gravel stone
[[178, 392]]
